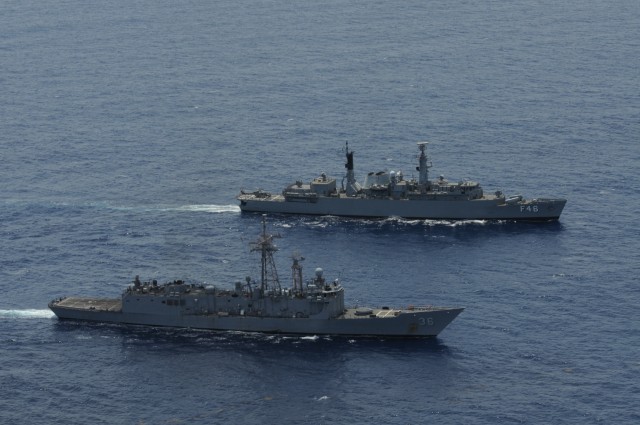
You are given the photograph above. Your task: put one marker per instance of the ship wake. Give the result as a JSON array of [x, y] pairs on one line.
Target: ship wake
[[26, 314], [205, 208]]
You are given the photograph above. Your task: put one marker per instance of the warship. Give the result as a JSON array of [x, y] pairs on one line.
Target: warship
[[389, 194], [314, 307]]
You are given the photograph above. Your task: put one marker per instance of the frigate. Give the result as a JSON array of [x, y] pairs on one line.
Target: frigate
[[389, 194], [314, 307]]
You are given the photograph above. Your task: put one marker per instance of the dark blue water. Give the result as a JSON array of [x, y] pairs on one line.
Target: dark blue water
[[128, 127]]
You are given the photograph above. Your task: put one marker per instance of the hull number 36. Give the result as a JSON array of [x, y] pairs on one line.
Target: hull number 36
[[427, 321]]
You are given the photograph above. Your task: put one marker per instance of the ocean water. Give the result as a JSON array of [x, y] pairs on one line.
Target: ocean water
[[128, 127]]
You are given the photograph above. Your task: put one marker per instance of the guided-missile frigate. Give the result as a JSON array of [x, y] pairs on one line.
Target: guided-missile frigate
[[314, 307]]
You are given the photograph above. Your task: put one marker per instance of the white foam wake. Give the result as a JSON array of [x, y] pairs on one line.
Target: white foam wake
[[26, 314], [209, 208]]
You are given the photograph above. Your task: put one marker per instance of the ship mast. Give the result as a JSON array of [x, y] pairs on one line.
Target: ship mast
[[424, 164], [352, 185], [296, 274], [265, 245]]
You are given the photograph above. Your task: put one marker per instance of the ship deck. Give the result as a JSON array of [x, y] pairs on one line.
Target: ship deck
[[99, 304], [384, 313]]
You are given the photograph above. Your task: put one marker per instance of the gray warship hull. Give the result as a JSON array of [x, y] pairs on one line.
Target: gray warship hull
[[486, 208], [416, 322]]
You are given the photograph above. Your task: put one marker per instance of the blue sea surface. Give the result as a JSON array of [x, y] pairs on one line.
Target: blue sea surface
[[128, 127]]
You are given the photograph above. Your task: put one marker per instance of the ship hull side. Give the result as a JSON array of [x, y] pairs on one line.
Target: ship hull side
[[477, 209], [421, 323]]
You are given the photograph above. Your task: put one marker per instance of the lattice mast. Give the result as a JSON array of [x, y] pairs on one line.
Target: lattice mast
[[268, 271]]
